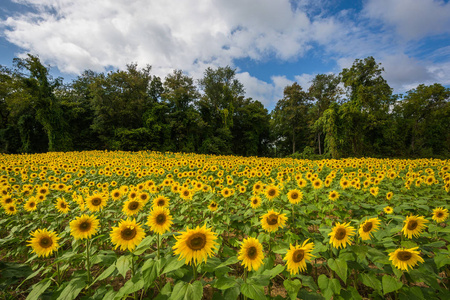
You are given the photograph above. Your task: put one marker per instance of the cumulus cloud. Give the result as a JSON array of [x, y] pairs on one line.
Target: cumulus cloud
[[412, 19]]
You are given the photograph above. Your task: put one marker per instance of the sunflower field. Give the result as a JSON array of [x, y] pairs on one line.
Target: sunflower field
[[150, 225]]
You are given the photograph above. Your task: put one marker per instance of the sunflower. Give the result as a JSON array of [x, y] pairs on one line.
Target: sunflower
[[212, 206], [317, 183], [414, 226], [251, 254], [62, 206], [84, 227], [30, 205], [297, 255], [389, 210], [161, 201], [273, 220], [255, 201], [295, 196], [272, 192], [10, 209], [341, 234], [132, 206], [159, 220], [195, 244], [144, 197], [367, 228], [389, 195], [374, 191], [96, 202], [440, 214], [333, 195], [127, 235], [185, 194], [405, 258], [43, 242], [116, 194]]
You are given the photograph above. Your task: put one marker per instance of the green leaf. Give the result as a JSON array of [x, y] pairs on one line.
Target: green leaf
[[308, 281], [253, 291], [441, 260], [38, 289], [329, 287], [292, 287], [173, 264], [144, 245], [371, 280], [72, 290], [131, 286], [224, 283], [340, 267], [105, 273], [194, 291], [274, 271], [259, 279], [123, 265], [150, 271], [390, 284], [231, 261]]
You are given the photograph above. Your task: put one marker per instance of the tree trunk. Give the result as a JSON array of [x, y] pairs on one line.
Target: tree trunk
[[318, 139]]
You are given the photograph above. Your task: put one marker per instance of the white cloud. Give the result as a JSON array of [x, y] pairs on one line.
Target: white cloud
[[413, 19]]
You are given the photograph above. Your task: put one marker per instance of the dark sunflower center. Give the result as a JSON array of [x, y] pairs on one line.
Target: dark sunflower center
[[8, 200], [404, 255], [213, 205], [63, 205], [128, 233], [133, 205], [133, 195], [96, 201], [186, 193], [116, 195], [271, 192], [32, 204], [341, 233], [316, 183], [143, 197], [85, 226], [257, 187], [333, 195], [252, 252], [255, 201], [440, 214], [161, 202], [272, 219], [294, 196], [196, 241], [412, 225], [161, 219], [45, 242], [367, 227], [12, 208], [298, 255]]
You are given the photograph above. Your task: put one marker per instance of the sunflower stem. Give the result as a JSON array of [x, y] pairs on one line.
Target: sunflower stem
[[88, 262], [194, 268], [245, 280]]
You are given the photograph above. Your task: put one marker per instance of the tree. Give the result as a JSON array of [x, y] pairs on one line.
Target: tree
[[324, 91], [290, 118]]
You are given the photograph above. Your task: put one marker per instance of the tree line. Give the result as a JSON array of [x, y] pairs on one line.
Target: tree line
[[354, 113]]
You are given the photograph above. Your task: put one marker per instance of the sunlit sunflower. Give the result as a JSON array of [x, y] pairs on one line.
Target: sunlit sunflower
[[96, 202], [213, 206], [132, 206], [389, 195], [251, 254], [127, 235], [43, 242], [333, 195], [295, 196], [62, 206], [143, 197], [297, 255], [440, 214], [414, 226], [116, 194], [161, 201], [185, 194], [272, 192], [404, 258], [10, 209], [317, 183], [255, 201], [30, 205], [195, 245], [273, 220], [388, 210], [341, 235], [159, 220], [374, 191], [84, 227], [367, 228]]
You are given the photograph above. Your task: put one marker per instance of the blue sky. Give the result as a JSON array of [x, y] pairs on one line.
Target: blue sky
[[271, 43]]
